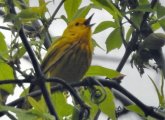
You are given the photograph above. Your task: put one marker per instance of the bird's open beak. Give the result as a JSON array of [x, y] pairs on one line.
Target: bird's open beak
[[87, 22]]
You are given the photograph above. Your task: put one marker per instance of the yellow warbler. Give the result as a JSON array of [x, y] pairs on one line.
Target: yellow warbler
[[70, 56]]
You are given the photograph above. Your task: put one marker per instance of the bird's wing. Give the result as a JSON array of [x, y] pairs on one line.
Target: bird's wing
[[56, 52]]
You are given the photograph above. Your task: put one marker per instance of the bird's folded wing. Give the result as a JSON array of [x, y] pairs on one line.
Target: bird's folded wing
[[56, 52]]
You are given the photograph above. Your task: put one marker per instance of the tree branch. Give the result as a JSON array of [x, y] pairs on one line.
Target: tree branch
[[134, 39], [54, 13], [73, 93], [132, 44], [15, 81], [5, 28], [122, 34], [39, 73], [36, 66], [129, 49], [148, 110], [39, 92]]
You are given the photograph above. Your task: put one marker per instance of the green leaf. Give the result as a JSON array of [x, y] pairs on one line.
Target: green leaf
[[107, 5], [36, 105], [137, 17], [9, 17], [42, 2], [82, 12], [63, 109], [42, 6], [71, 7], [2, 3], [27, 2], [32, 13], [6, 72], [160, 10], [64, 18], [129, 33], [160, 97], [155, 26], [136, 109], [104, 25], [162, 104], [3, 49], [40, 109], [114, 40], [108, 105], [21, 51], [142, 8], [150, 118], [17, 4], [20, 113], [102, 71], [157, 90], [96, 45], [86, 96], [29, 14], [143, 2], [162, 23]]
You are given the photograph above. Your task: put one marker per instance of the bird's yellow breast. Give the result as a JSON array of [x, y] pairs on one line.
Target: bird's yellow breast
[[70, 57]]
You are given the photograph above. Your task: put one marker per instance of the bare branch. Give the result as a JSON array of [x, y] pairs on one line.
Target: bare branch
[[148, 110], [55, 12]]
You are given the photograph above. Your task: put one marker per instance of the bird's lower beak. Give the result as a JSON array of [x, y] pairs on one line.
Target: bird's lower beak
[[87, 22]]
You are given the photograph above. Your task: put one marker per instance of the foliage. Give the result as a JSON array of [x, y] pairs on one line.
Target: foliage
[[132, 25], [160, 92]]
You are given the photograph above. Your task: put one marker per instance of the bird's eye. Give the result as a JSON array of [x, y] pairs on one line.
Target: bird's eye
[[77, 24]]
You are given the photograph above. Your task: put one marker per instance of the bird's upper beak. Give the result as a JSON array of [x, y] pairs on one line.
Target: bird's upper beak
[[87, 22]]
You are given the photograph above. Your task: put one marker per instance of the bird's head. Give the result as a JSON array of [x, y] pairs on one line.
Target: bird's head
[[79, 26]]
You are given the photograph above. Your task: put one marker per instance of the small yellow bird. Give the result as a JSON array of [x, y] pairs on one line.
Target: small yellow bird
[[70, 56]]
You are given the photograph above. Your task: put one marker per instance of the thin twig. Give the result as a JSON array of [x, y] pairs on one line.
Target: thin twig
[[34, 61], [54, 13], [128, 51], [132, 23], [5, 28], [46, 24], [39, 73], [11, 116], [15, 81], [122, 34]]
